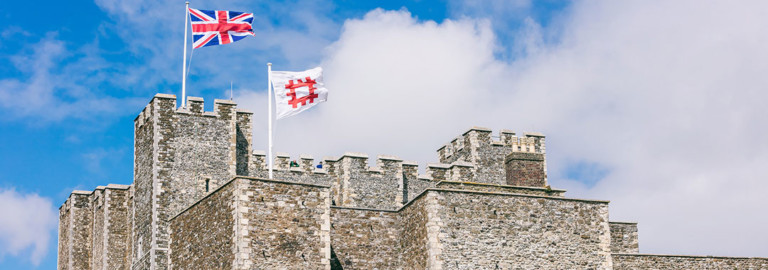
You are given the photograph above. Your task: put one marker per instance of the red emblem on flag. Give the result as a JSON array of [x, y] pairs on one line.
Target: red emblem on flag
[[291, 86]]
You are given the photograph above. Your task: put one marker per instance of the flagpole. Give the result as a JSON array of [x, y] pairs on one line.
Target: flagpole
[[269, 121], [184, 65]]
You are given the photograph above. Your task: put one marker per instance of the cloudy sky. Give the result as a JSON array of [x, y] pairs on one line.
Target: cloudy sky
[[657, 106]]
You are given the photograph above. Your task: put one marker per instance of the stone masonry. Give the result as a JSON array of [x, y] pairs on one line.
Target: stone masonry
[[201, 199]]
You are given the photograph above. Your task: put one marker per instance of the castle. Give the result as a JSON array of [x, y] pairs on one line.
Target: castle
[[201, 199]]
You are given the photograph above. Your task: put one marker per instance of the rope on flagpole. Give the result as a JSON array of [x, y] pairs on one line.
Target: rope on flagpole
[[269, 115], [189, 64]]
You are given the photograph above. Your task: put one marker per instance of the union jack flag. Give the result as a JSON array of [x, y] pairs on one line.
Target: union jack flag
[[214, 27]]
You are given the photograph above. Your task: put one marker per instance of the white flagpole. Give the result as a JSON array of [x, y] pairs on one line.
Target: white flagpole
[[269, 107], [184, 65]]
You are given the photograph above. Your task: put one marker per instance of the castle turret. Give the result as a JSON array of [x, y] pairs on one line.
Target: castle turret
[[476, 156]]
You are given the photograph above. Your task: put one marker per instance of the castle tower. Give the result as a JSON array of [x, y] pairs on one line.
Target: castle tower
[[180, 155]]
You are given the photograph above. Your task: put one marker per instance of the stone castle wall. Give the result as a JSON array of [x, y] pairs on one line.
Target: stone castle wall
[[365, 238], [550, 233], [657, 262], [414, 237], [200, 200], [203, 236]]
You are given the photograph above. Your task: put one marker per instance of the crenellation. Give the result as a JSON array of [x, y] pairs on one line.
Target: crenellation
[[201, 199], [282, 161], [507, 136], [195, 105], [306, 163], [437, 171], [624, 238]]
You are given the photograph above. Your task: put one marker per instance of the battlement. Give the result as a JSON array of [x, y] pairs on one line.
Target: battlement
[[353, 182], [222, 108], [479, 137]]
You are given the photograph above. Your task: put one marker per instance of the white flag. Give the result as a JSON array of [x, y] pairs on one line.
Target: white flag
[[298, 91]]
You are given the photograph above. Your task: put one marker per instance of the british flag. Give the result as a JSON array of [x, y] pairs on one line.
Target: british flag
[[214, 27]]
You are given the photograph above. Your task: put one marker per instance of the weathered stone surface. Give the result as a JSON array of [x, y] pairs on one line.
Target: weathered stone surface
[[418, 185], [284, 225], [203, 236], [64, 245], [658, 262], [78, 252], [486, 231], [111, 247], [414, 240], [624, 238], [364, 238]]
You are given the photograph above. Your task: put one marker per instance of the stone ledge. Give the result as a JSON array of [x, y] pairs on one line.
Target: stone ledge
[[410, 163], [364, 209], [623, 222], [388, 157], [438, 165], [118, 186], [354, 154], [505, 186], [224, 101], [460, 163], [524, 156], [182, 110], [478, 129], [533, 134], [238, 110], [167, 96], [686, 256], [498, 194]]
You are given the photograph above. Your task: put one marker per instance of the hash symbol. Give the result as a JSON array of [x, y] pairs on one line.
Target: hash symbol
[[309, 83]]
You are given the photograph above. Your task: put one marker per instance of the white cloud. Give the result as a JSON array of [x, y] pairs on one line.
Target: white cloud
[[51, 90], [27, 224], [666, 98], [392, 78]]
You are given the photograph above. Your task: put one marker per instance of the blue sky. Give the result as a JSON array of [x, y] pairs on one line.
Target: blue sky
[[655, 106]]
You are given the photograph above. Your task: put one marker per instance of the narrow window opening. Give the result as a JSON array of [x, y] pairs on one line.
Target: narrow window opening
[[207, 184]]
